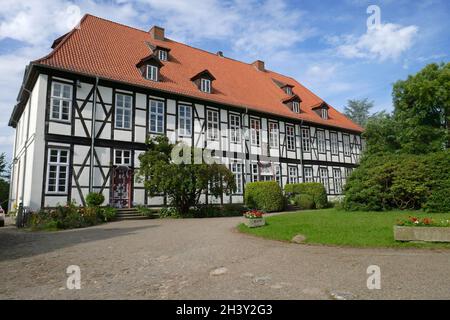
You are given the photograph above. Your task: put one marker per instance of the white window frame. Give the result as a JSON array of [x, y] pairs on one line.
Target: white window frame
[[162, 55], [306, 140], [124, 160], [290, 138], [321, 142], [273, 134], [277, 173], [296, 106], [58, 164], [324, 178], [205, 85], [235, 128], [122, 109], [184, 122], [308, 174], [324, 113], [346, 143], [254, 167], [156, 114], [60, 99], [334, 143], [152, 73], [288, 90], [212, 125], [255, 133], [337, 180], [237, 169], [292, 174]]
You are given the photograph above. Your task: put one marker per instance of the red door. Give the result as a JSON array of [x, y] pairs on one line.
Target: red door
[[121, 188]]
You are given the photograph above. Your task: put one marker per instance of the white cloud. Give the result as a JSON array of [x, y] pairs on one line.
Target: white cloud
[[386, 41]]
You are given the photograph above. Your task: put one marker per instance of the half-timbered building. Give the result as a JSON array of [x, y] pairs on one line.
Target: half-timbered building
[[85, 110]]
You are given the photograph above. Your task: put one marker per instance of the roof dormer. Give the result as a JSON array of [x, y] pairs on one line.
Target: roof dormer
[[322, 110], [150, 67], [161, 52], [293, 103], [203, 80], [287, 88]]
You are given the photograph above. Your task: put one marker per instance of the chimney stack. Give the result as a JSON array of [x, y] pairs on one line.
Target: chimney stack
[[220, 53], [157, 33], [258, 64]]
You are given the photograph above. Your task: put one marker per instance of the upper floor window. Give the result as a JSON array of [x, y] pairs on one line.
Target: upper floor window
[[296, 106], [57, 170], [156, 117], [235, 128], [61, 101], [205, 85], [346, 140], [123, 111], [288, 90], [122, 157], [308, 177], [212, 125], [273, 134], [306, 140], [184, 120], [324, 113], [255, 128], [321, 141], [152, 72], [334, 143], [290, 138], [162, 55]]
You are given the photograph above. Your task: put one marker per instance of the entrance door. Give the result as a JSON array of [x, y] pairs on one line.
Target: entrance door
[[121, 187]]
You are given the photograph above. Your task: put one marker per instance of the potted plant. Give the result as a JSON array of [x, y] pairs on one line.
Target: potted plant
[[254, 218], [422, 229]]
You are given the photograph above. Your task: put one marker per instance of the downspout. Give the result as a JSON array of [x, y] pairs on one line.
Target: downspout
[[94, 113], [301, 149]]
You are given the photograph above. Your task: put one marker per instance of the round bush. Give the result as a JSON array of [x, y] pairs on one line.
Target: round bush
[[304, 201], [314, 189], [95, 199], [264, 195]]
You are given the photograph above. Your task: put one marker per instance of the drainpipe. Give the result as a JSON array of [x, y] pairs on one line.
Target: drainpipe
[[94, 113], [301, 149]]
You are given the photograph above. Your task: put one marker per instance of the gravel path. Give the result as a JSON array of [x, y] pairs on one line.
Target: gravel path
[[206, 259]]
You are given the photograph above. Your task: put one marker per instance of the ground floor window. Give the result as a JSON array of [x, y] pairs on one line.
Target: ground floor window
[[236, 168], [57, 170], [292, 175], [308, 176], [337, 181], [323, 175], [255, 172]]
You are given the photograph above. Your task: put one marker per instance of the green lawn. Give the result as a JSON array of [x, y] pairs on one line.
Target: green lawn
[[341, 228]]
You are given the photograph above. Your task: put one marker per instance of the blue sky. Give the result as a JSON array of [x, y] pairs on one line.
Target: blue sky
[[326, 45]]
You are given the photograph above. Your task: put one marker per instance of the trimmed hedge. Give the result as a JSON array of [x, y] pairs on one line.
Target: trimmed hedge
[[95, 199], [264, 195], [315, 189], [400, 181], [304, 201]]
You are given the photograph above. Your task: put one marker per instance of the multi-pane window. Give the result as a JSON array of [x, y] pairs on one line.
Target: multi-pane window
[[277, 173], [324, 113], [184, 120], [348, 172], [122, 157], [321, 141], [346, 140], [337, 180], [205, 85], [308, 175], [306, 140], [152, 72], [236, 168], [162, 55], [57, 170], [323, 175], [212, 122], [61, 101], [255, 172], [290, 138], [235, 128], [334, 143], [255, 128], [156, 117], [292, 175], [296, 107], [273, 134], [123, 111], [288, 90]]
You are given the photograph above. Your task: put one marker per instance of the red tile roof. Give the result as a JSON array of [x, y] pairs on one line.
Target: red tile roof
[[110, 50]]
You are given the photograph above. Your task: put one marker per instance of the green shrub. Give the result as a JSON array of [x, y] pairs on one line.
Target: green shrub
[[314, 189], [146, 211], [233, 210], [304, 201], [95, 199], [106, 214], [169, 212], [264, 195]]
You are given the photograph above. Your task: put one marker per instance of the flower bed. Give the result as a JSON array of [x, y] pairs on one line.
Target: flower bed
[[254, 219], [424, 229]]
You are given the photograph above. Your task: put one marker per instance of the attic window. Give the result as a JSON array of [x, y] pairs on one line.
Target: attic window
[[296, 106], [288, 90], [152, 72], [162, 55], [324, 113], [205, 85]]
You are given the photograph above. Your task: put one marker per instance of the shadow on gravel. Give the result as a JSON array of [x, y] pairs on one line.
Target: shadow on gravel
[[15, 244]]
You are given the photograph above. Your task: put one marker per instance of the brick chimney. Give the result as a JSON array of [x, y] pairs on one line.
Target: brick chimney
[[157, 33], [258, 64]]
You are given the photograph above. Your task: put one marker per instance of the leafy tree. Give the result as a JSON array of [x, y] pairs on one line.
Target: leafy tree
[[182, 183], [422, 109], [381, 134], [4, 184], [2, 165], [358, 110]]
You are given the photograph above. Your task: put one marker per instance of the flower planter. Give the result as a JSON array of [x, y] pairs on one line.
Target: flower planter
[[429, 234], [256, 222]]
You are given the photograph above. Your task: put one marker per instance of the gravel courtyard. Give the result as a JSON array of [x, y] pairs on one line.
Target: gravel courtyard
[[206, 259]]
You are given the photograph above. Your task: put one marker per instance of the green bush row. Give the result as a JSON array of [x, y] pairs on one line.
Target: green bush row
[[315, 190], [264, 195]]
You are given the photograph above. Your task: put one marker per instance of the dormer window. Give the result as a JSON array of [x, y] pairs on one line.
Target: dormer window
[[152, 72], [162, 55], [322, 110], [293, 103], [296, 106], [324, 113], [288, 90], [205, 85]]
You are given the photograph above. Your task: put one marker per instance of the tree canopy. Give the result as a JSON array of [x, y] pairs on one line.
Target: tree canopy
[[358, 110]]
